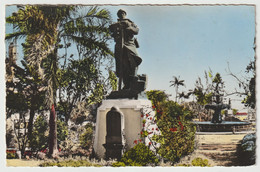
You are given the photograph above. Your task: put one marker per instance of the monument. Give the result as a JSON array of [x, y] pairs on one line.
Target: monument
[[119, 120], [127, 58], [217, 117]]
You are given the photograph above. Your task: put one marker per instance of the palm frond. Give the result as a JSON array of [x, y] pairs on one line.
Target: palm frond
[[15, 35], [92, 44]]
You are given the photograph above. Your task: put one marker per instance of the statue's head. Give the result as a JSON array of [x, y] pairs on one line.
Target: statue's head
[[121, 14]]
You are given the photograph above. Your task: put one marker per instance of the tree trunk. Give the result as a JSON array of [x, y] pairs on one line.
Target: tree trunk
[[53, 149], [176, 94], [30, 123]]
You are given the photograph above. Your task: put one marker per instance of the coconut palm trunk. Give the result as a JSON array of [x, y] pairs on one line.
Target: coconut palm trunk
[[53, 148], [51, 101]]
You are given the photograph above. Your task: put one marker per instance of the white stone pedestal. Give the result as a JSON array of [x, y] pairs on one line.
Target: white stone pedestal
[[131, 122]]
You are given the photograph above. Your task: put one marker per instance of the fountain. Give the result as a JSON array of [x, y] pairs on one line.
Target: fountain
[[217, 124]]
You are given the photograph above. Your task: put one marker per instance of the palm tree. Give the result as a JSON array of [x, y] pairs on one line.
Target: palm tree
[[43, 27], [176, 82]]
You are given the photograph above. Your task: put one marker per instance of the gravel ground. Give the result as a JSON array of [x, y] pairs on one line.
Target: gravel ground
[[22, 163]]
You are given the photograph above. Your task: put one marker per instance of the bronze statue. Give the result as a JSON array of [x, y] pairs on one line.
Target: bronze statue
[[127, 59]]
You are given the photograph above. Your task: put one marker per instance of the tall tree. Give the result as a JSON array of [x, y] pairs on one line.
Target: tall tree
[[43, 27], [246, 85], [176, 82]]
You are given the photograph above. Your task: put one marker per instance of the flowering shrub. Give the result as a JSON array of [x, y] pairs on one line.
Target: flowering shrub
[[176, 132], [139, 155], [149, 129], [10, 155]]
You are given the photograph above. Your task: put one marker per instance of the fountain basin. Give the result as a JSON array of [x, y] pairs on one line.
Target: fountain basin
[[225, 126]]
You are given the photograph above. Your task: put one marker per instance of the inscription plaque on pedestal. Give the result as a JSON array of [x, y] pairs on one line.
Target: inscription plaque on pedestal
[[113, 143]]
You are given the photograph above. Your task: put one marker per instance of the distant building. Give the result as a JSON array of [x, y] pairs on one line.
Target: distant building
[[242, 116], [252, 115], [11, 61]]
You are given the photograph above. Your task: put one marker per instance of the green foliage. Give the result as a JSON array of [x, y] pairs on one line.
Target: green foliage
[[70, 163], [249, 85], [118, 164], [234, 111], [97, 94], [62, 131], [157, 96], [113, 80], [45, 29], [217, 78], [10, 155], [202, 97], [223, 112], [139, 155], [250, 99], [39, 138], [200, 162], [87, 137], [24, 93], [205, 93], [174, 122]]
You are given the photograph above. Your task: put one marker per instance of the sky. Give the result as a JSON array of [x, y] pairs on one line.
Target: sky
[[186, 40]]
